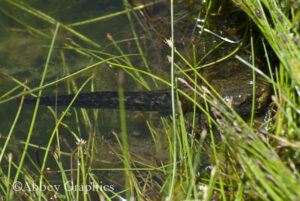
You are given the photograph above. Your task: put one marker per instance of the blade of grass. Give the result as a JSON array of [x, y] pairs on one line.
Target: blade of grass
[[9, 191], [174, 160], [126, 11], [77, 73], [187, 155], [124, 135], [139, 77], [50, 20], [253, 79], [126, 4], [279, 32], [12, 127], [56, 127], [37, 104], [83, 171]]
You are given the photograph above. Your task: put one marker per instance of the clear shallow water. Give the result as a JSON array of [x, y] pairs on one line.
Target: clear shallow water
[[23, 54], [24, 45]]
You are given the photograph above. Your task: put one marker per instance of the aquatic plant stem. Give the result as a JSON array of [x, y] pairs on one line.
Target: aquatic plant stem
[[12, 127], [82, 167], [43, 16], [279, 31], [135, 36], [57, 125], [173, 103], [108, 61], [36, 105], [106, 17], [124, 134], [253, 79], [137, 74], [9, 191]]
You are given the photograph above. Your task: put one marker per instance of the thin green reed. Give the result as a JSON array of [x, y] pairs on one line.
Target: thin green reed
[[124, 133], [56, 127], [37, 103], [171, 42], [12, 128]]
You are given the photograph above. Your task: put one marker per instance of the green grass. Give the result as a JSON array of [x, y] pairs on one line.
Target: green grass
[[240, 162]]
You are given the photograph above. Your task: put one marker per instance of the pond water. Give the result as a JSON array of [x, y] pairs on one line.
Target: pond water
[[25, 39]]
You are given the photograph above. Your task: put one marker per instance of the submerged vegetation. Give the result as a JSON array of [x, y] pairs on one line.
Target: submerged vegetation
[[219, 143]]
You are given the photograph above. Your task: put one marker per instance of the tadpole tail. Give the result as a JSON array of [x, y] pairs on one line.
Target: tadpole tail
[[159, 100]]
